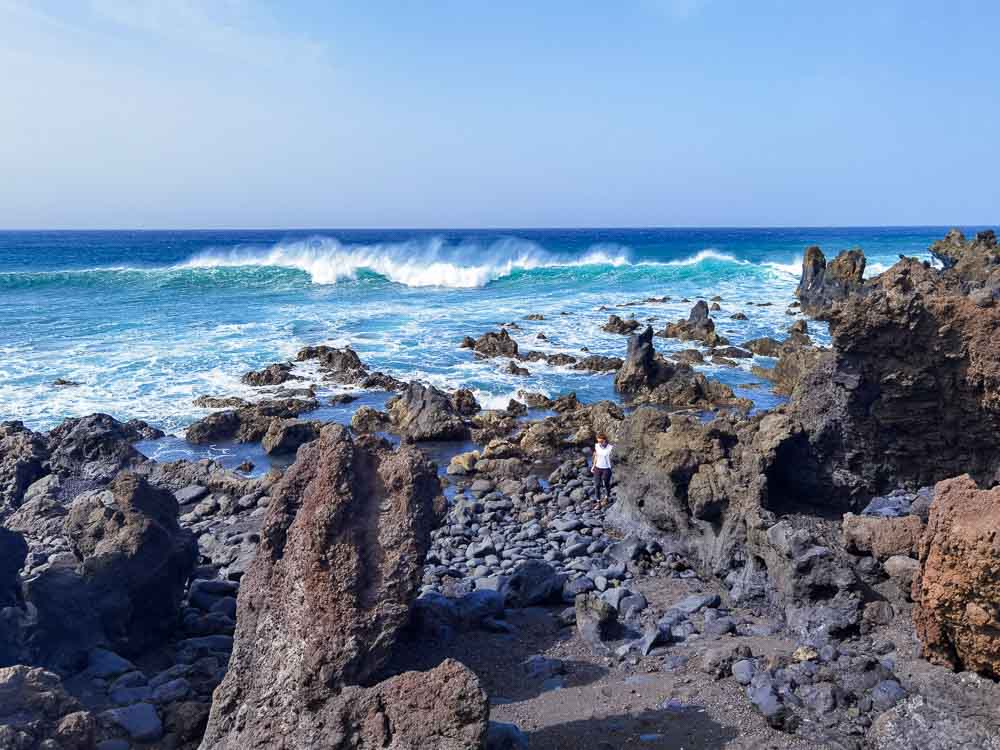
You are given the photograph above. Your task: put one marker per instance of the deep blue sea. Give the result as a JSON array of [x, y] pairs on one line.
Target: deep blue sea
[[147, 321]]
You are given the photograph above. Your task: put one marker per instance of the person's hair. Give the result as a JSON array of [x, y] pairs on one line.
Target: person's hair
[[601, 436]]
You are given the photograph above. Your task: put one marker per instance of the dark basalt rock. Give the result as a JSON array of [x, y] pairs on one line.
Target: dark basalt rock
[[276, 374], [822, 284], [618, 325], [645, 377], [23, 458], [698, 327], [97, 446], [422, 412], [493, 344]]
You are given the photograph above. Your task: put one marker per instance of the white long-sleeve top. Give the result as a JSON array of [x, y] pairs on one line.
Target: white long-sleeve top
[[602, 456]]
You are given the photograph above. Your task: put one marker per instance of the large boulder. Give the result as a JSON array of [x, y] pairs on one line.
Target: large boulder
[[824, 283], [23, 457], [249, 423], [646, 377], [286, 435], [977, 260], [339, 564], [134, 562], [914, 374], [422, 412], [957, 597], [97, 447]]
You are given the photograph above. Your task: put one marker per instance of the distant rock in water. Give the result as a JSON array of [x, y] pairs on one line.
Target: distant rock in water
[[824, 283], [422, 412], [616, 324], [339, 564], [698, 327]]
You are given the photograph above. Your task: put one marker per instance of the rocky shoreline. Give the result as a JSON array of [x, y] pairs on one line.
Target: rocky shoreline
[[819, 575]]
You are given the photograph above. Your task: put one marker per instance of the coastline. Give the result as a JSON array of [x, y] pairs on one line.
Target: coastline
[[754, 558]]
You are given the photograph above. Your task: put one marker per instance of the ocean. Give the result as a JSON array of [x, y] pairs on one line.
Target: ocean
[[146, 321]]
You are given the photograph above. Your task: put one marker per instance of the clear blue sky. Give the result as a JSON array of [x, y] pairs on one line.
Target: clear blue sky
[[244, 113]]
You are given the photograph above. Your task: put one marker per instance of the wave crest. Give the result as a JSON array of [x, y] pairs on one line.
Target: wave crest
[[428, 263]]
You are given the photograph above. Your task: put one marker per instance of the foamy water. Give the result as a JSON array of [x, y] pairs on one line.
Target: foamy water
[[146, 322]]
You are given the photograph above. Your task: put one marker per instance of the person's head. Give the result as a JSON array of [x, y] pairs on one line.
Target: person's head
[[602, 438]]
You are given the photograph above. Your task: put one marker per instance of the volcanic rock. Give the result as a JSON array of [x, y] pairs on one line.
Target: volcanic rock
[[493, 344], [338, 567], [645, 377], [422, 412], [97, 446], [823, 283], [957, 597], [23, 454], [616, 324], [276, 374], [698, 327]]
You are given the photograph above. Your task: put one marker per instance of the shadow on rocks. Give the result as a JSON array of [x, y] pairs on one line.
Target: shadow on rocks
[[673, 725], [513, 665]]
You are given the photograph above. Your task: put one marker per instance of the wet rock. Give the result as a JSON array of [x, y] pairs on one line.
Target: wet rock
[[422, 412], [369, 420], [493, 344], [276, 374], [598, 363], [698, 327], [96, 447], [956, 614], [338, 566], [617, 325]]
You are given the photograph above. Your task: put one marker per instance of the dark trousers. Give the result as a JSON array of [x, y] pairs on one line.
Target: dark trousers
[[602, 477]]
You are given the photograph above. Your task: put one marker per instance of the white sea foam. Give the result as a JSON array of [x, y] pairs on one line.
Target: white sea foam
[[793, 268], [431, 263], [701, 257]]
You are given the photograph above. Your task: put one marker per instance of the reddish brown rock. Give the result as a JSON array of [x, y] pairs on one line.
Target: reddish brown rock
[[882, 537], [957, 612], [339, 563]]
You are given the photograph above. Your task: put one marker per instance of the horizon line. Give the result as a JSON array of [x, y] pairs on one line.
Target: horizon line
[[509, 228]]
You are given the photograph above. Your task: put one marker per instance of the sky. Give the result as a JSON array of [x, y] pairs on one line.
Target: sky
[[469, 113]]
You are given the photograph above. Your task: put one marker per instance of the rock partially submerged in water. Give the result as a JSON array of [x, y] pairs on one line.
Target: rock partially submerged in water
[[339, 564], [698, 327], [616, 324]]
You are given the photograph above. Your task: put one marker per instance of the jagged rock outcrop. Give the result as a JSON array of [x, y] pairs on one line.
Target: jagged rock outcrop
[[796, 358], [422, 412], [957, 612], [23, 455], [276, 374], [824, 283], [97, 447], [618, 325], [646, 377], [345, 366], [247, 424], [339, 564], [492, 344], [698, 327], [914, 375], [286, 435], [977, 262], [133, 563], [716, 492]]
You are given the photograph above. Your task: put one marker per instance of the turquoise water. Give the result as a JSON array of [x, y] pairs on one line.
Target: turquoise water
[[147, 321]]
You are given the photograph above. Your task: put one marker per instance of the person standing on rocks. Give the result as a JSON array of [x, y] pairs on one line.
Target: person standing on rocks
[[601, 467]]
